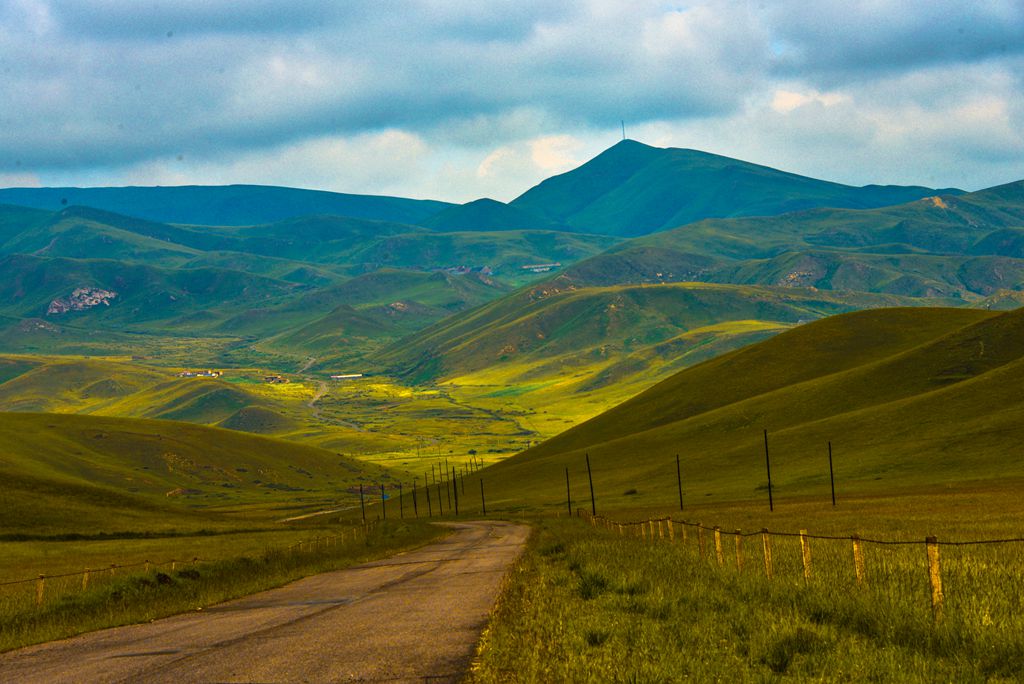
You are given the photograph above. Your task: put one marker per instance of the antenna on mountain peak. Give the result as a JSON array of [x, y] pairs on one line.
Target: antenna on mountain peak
[[623, 129]]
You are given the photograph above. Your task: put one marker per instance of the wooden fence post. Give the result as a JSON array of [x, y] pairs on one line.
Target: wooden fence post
[[934, 576], [718, 546], [147, 565], [858, 559], [568, 493], [661, 530], [766, 542], [682, 527], [362, 502], [739, 551], [671, 530], [805, 554], [622, 531], [590, 479], [85, 579], [455, 488], [40, 588]]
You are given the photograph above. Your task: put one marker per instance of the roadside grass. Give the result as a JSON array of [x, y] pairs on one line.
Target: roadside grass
[[585, 604], [133, 595]]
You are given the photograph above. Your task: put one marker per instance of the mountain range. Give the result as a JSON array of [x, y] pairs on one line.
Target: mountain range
[[594, 285]]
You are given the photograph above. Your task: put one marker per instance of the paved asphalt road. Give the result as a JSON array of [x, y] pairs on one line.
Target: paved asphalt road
[[413, 617]]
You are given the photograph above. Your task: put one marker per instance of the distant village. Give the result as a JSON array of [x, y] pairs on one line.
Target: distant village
[[269, 379], [200, 374]]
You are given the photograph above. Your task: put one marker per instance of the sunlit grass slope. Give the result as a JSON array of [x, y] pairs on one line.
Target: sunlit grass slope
[[240, 400], [619, 330], [909, 398], [89, 474]]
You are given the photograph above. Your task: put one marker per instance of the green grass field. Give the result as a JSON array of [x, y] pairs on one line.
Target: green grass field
[[586, 604]]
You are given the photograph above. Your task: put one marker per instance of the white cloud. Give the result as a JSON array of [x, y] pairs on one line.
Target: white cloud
[[19, 180], [388, 162], [555, 153], [456, 98], [785, 101]]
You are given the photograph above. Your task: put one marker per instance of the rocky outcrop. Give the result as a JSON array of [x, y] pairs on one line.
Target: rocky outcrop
[[81, 299]]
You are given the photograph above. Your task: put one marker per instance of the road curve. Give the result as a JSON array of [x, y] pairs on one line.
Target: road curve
[[413, 617]]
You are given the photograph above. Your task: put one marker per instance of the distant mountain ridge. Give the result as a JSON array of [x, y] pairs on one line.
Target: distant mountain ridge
[[633, 189], [225, 205], [628, 190]]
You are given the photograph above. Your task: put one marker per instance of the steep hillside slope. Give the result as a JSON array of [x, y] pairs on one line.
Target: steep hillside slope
[[908, 397]]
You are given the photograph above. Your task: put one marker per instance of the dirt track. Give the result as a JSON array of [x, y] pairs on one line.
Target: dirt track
[[411, 618]]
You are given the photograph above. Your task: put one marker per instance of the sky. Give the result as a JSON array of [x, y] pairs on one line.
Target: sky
[[461, 99]]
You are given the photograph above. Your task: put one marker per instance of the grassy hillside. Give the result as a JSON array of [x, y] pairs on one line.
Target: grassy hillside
[[505, 253], [250, 284], [549, 329], [239, 400], [89, 474], [142, 294], [633, 189], [959, 246], [909, 398]]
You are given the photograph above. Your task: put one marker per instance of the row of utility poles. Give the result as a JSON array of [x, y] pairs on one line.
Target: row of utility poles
[[452, 480], [679, 480]]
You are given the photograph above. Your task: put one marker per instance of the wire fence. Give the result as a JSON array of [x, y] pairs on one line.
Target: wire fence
[[37, 592], [979, 580]]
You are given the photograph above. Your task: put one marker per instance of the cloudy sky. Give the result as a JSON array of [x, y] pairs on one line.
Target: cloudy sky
[[458, 99]]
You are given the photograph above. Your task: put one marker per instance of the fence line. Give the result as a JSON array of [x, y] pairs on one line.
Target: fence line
[[302, 545], [645, 530], [889, 542]]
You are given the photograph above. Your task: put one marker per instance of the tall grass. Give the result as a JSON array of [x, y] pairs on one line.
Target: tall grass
[[138, 596], [586, 604]]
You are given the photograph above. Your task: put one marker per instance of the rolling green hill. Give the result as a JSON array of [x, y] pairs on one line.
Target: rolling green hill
[[136, 293], [487, 215], [960, 246], [632, 189], [257, 282], [89, 475], [611, 335], [908, 397]]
